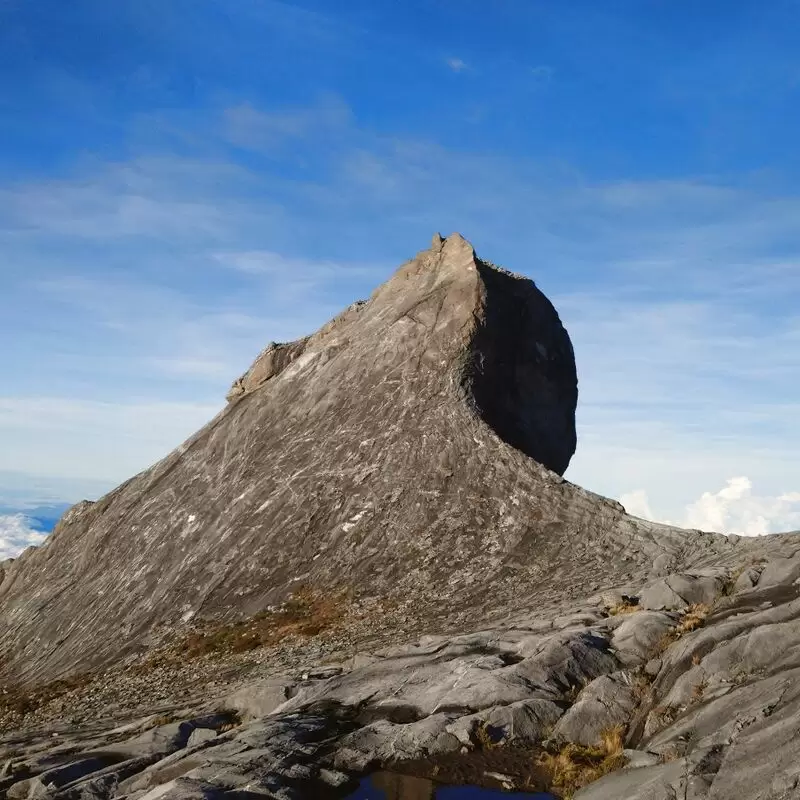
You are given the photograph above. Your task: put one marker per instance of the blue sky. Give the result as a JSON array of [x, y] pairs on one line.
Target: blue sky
[[182, 181]]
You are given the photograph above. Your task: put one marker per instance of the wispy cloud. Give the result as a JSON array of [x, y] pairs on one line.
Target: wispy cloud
[[456, 64], [150, 198], [87, 439], [266, 262], [249, 127]]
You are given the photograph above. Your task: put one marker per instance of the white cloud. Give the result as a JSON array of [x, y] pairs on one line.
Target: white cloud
[[637, 504], [456, 64], [17, 533], [187, 344], [680, 389], [732, 509]]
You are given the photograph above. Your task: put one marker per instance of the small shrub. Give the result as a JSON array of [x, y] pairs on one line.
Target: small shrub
[[642, 686], [730, 583], [694, 617], [574, 766], [741, 676], [665, 641], [665, 715], [574, 689]]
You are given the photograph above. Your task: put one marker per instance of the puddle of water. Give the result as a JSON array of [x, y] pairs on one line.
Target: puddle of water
[[392, 786]]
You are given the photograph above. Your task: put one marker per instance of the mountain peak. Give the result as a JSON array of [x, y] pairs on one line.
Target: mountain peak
[[414, 441]]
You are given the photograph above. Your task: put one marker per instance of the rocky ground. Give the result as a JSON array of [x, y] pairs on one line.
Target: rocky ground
[[685, 687]]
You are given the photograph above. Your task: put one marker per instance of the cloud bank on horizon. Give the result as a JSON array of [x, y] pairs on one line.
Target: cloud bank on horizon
[[180, 186], [732, 509], [18, 532]]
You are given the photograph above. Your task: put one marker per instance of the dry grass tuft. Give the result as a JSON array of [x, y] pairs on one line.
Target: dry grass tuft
[[665, 641], [669, 755], [625, 607], [574, 766], [612, 740], [642, 686], [694, 617], [164, 719]]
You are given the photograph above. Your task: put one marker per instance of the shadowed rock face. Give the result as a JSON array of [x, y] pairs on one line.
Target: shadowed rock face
[[402, 450]]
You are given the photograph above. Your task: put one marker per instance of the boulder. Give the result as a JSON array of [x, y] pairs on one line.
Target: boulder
[[384, 742], [258, 699], [607, 702], [525, 722], [678, 591], [780, 572], [636, 639]]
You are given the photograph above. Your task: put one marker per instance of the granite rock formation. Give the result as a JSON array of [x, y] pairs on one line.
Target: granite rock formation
[[411, 453], [393, 451]]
